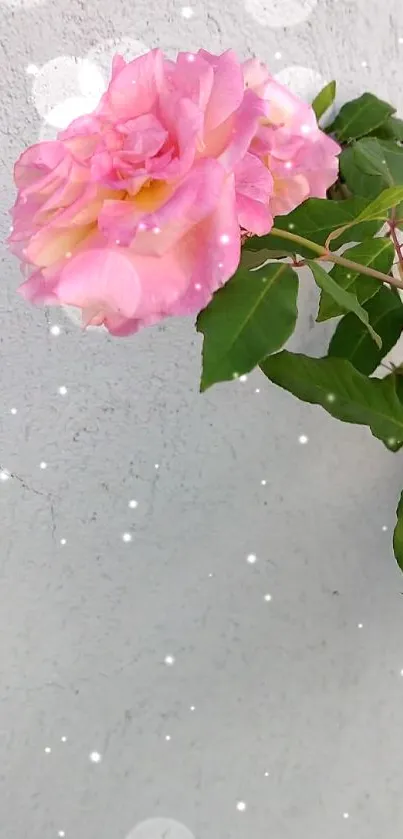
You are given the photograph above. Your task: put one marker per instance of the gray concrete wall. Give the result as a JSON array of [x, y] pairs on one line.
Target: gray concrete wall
[[278, 717]]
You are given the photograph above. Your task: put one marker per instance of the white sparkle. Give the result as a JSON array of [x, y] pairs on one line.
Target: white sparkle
[[61, 833], [303, 439], [364, 63], [192, 707], [133, 504], [400, 40], [156, 466], [127, 537], [4, 475], [349, 276], [263, 482], [267, 598], [288, 165], [221, 265], [64, 739], [48, 750], [169, 660], [68, 254], [190, 57], [142, 226], [346, 816], [392, 441], [291, 226], [167, 737], [63, 541], [243, 378], [224, 239], [197, 286], [266, 774], [62, 390], [251, 558], [241, 806], [13, 411], [95, 757], [277, 55], [117, 241], [257, 390], [32, 69], [156, 229], [330, 397], [43, 464], [211, 575], [187, 12], [360, 625], [384, 527], [55, 329], [305, 129]]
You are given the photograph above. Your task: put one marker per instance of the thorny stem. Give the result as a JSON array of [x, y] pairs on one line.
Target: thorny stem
[[323, 253], [395, 240]]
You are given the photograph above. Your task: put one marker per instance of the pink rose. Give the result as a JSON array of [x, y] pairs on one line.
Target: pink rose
[[134, 212], [300, 157]]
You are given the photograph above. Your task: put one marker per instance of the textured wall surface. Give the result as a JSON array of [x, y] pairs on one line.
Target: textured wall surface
[[154, 682]]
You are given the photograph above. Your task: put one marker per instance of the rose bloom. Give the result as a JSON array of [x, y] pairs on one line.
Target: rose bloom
[[135, 211]]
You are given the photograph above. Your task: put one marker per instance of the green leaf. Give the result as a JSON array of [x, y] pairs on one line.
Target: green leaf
[[351, 341], [392, 129], [316, 219], [344, 392], [398, 534], [374, 253], [371, 165], [324, 100], [380, 206], [360, 117], [254, 259], [392, 443], [253, 315], [343, 298]]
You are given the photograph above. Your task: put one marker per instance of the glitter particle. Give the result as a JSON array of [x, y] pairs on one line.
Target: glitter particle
[[243, 378], [224, 239], [43, 464], [330, 397], [48, 750], [303, 439], [192, 707], [305, 129], [133, 504], [263, 482], [13, 411], [384, 527], [257, 390], [277, 55], [68, 254], [288, 165], [251, 558], [156, 466], [156, 229], [63, 541], [346, 816], [95, 757], [127, 537], [400, 41], [190, 57], [291, 226], [4, 475], [167, 737], [61, 833], [241, 806], [364, 63], [266, 774], [187, 12], [267, 598], [360, 625], [169, 660], [197, 286], [62, 390], [32, 69], [64, 739], [55, 329]]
